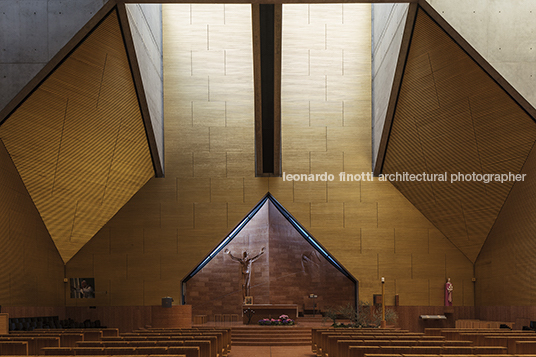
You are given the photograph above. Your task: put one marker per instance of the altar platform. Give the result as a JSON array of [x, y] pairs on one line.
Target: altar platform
[[269, 311], [307, 321]]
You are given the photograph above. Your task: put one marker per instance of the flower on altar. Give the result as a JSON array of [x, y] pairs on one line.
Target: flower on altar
[[283, 320]]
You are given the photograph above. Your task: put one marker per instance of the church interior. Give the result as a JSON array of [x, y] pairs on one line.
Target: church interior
[[133, 172]]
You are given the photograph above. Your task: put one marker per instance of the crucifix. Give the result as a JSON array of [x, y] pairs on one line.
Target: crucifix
[[246, 262]]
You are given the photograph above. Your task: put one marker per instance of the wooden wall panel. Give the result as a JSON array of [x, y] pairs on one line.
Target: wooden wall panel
[[31, 270], [504, 271], [125, 318], [408, 241], [409, 316], [520, 315], [34, 311], [415, 290], [79, 141], [368, 226], [453, 117]]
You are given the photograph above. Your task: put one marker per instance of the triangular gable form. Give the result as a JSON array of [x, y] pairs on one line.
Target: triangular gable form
[[293, 265], [456, 116], [78, 139]]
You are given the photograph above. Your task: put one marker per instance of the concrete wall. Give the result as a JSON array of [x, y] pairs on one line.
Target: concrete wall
[[388, 21], [503, 32], [146, 27], [32, 32]]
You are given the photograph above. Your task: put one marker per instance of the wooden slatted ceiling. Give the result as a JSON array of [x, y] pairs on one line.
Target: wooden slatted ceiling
[[79, 142], [452, 117]]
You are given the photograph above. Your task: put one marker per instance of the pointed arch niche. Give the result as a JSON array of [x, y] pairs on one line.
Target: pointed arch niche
[[293, 266]]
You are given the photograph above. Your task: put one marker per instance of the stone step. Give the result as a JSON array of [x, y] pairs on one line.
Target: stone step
[[271, 336], [272, 343], [271, 329], [274, 338], [273, 332]]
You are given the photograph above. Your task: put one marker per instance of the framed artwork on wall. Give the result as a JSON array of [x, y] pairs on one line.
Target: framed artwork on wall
[[82, 288]]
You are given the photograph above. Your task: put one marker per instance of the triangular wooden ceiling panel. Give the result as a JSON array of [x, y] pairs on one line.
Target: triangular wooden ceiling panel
[[79, 141], [452, 116]]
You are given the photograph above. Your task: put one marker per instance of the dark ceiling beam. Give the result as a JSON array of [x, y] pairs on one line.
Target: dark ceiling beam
[[267, 23]]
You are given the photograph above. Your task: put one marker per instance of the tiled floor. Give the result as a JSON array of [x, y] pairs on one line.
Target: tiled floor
[[271, 351]]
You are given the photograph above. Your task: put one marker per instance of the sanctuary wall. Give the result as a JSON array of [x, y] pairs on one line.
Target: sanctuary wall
[[172, 223], [287, 271]]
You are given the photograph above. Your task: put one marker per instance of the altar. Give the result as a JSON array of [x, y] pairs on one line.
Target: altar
[[269, 311]]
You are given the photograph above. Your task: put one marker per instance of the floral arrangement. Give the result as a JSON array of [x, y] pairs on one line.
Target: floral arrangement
[[283, 320]]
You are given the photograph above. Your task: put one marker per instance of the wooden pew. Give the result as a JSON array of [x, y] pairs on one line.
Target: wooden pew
[[58, 351], [131, 355], [82, 351], [189, 351], [360, 351], [207, 345], [112, 351], [18, 348], [223, 336], [524, 347], [35, 343]]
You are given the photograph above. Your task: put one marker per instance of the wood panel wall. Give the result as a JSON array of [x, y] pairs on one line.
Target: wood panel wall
[[167, 228], [31, 269], [505, 270], [125, 318], [128, 318], [520, 315], [453, 117], [35, 311], [409, 316], [79, 142]]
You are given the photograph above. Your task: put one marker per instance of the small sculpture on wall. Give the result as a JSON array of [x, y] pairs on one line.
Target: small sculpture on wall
[[246, 263], [310, 260], [448, 292]]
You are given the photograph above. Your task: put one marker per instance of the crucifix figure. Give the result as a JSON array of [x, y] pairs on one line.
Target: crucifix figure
[[245, 263]]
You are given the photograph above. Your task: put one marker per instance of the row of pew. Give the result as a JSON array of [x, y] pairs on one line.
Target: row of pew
[[337, 342], [521, 342], [198, 342], [32, 342]]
